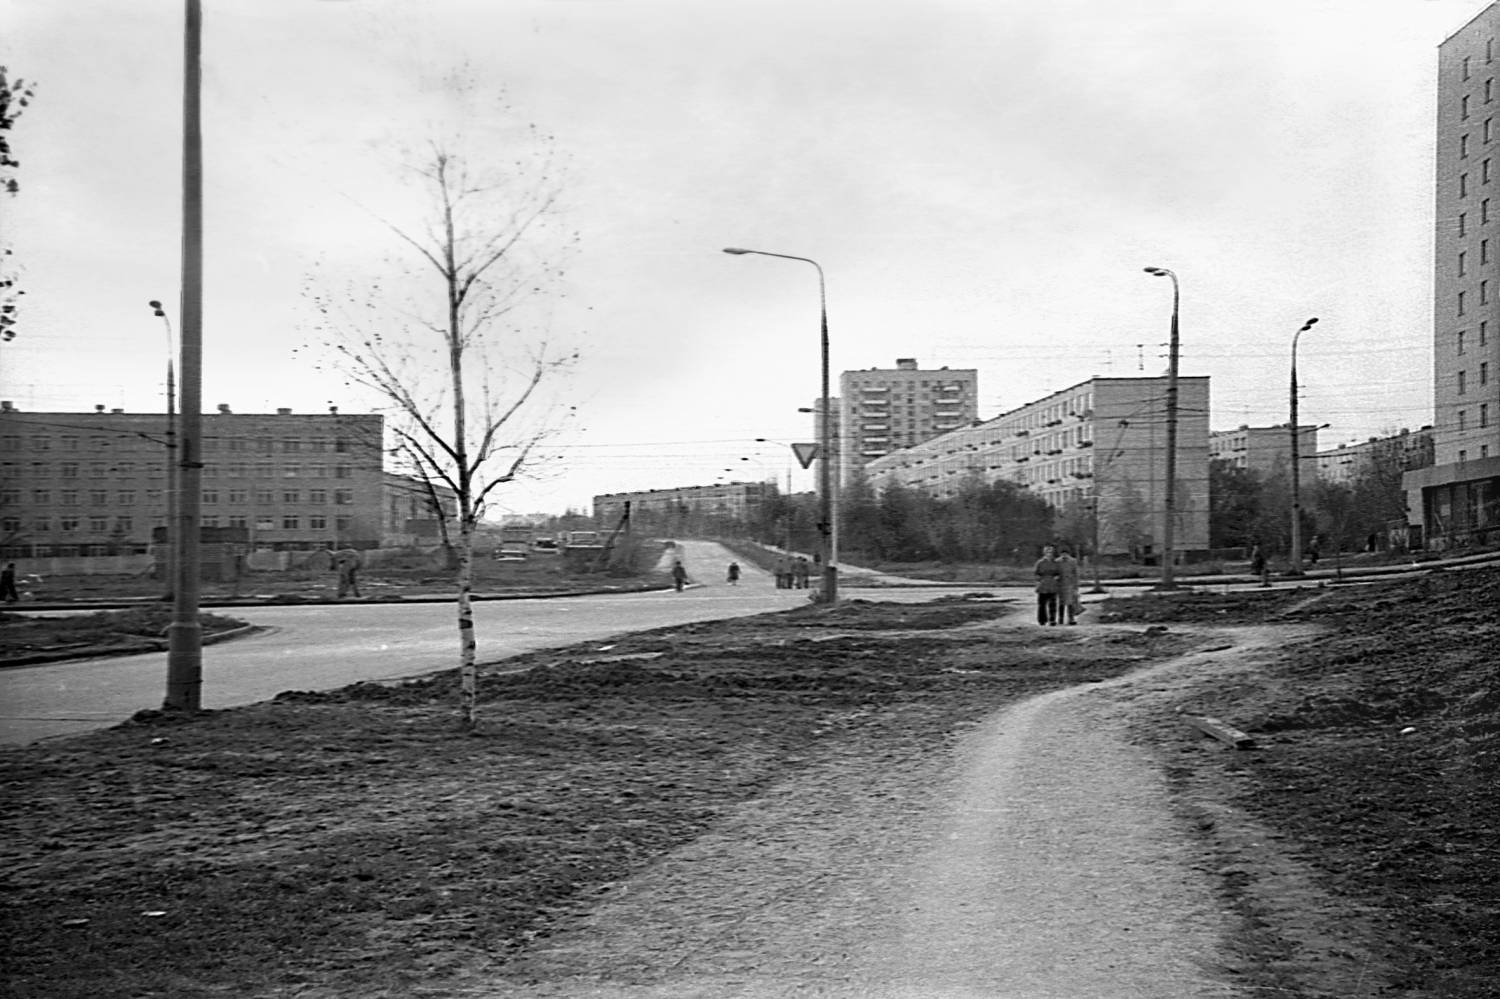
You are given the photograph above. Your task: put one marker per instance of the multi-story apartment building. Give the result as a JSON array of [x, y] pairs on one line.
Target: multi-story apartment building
[[98, 483], [1100, 443], [1459, 496], [1263, 450], [674, 509], [1398, 453], [881, 410]]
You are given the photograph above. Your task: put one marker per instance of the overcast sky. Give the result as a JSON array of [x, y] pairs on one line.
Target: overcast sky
[[982, 181]]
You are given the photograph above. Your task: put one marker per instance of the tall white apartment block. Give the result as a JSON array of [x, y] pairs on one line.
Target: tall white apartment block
[[882, 410], [1458, 498]]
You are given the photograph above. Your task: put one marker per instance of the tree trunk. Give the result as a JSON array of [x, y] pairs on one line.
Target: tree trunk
[[468, 672]]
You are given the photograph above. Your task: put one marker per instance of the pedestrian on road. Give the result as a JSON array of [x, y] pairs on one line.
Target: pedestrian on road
[[1258, 565], [1068, 603], [8, 591], [679, 575], [734, 574], [346, 563], [800, 571], [1048, 581], [783, 574]]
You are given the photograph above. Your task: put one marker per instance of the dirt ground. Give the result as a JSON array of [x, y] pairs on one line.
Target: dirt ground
[[660, 812]]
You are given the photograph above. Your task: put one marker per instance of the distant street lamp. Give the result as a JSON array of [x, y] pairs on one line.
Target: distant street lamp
[[1296, 557], [827, 541], [1170, 502], [171, 529]]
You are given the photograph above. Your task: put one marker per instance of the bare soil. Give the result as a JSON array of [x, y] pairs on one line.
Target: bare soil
[[660, 816]]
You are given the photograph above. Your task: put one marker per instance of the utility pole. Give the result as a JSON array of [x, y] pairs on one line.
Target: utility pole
[[185, 634], [1169, 502], [171, 528], [1295, 568]]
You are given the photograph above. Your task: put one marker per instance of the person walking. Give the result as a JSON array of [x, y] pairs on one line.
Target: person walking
[[1068, 603], [346, 563], [679, 575], [734, 574], [783, 574], [1048, 581], [1258, 565], [800, 571], [8, 591]]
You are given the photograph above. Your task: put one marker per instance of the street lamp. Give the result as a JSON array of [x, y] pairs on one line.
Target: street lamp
[[827, 541], [1170, 502], [185, 634], [171, 530], [1296, 557]]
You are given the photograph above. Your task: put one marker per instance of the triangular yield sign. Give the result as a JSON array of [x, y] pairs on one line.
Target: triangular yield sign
[[805, 453]]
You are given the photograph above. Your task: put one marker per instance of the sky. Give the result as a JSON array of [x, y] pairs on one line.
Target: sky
[[981, 181]]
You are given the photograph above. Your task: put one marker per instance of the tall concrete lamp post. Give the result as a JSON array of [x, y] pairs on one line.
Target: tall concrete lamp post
[[1295, 569], [185, 634], [827, 542], [1169, 504]]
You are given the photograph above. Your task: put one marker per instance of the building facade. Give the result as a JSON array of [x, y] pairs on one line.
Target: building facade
[[98, 483], [684, 506], [1458, 497], [1263, 450], [1404, 452], [1101, 444], [882, 410]]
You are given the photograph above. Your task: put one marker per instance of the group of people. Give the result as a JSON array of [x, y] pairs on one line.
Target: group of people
[[1057, 600], [792, 573]]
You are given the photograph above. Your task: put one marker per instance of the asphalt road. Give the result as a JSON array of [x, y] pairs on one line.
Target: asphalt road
[[331, 645]]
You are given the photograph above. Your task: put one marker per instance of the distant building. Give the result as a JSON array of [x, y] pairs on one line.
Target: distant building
[[1101, 443], [882, 410], [1458, 497], [1263, 450], [80, 484], [677, 508], [1403, 452]]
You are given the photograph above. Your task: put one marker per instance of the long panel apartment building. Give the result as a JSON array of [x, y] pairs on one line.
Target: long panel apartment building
[[79, 484], [1100, 443]]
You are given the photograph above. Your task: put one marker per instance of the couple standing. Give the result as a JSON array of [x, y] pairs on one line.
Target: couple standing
[[1057, 587]]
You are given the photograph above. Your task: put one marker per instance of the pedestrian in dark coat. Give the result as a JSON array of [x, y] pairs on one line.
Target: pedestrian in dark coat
[[679, 576], [1048, 582], [734, 574], [8, 591], [1258, 565]]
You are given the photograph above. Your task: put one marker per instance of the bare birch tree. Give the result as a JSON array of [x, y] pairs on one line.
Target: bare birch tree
[[455, 336]]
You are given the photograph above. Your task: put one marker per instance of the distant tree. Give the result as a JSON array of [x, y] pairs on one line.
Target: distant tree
[[447, 336], [1234, 499], [15, 95]]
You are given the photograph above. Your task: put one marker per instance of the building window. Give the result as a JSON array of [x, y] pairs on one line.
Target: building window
[[291, 522], [69, 442], [68, 497], [1484, 212], [1463, 185], [1462, 263], [1463, 382], [290, 445], [1463, 224], [98, 525], [42, 525], [1487, 123], [1463, 456], [317, 471], [1484, 293], [234, 444], [1460, 303], [41, 443], [342, 524], [1466, 67], [264, 470], [342, 472], [1484, 414], [1461, 335], [1463, 107], [1484, 332], [125, 497], [317, 522], [1484, 251], [67, 524], [210, 521], [1484, 372], [1489, 90], [210, 496], [1484, 172], [237, 520], [317, 497], [343, 497], [291, 496], [1463, 147], [240, 496], [265, 497]]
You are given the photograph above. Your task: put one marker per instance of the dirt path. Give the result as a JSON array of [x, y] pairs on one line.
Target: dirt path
[[1039, 857]]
